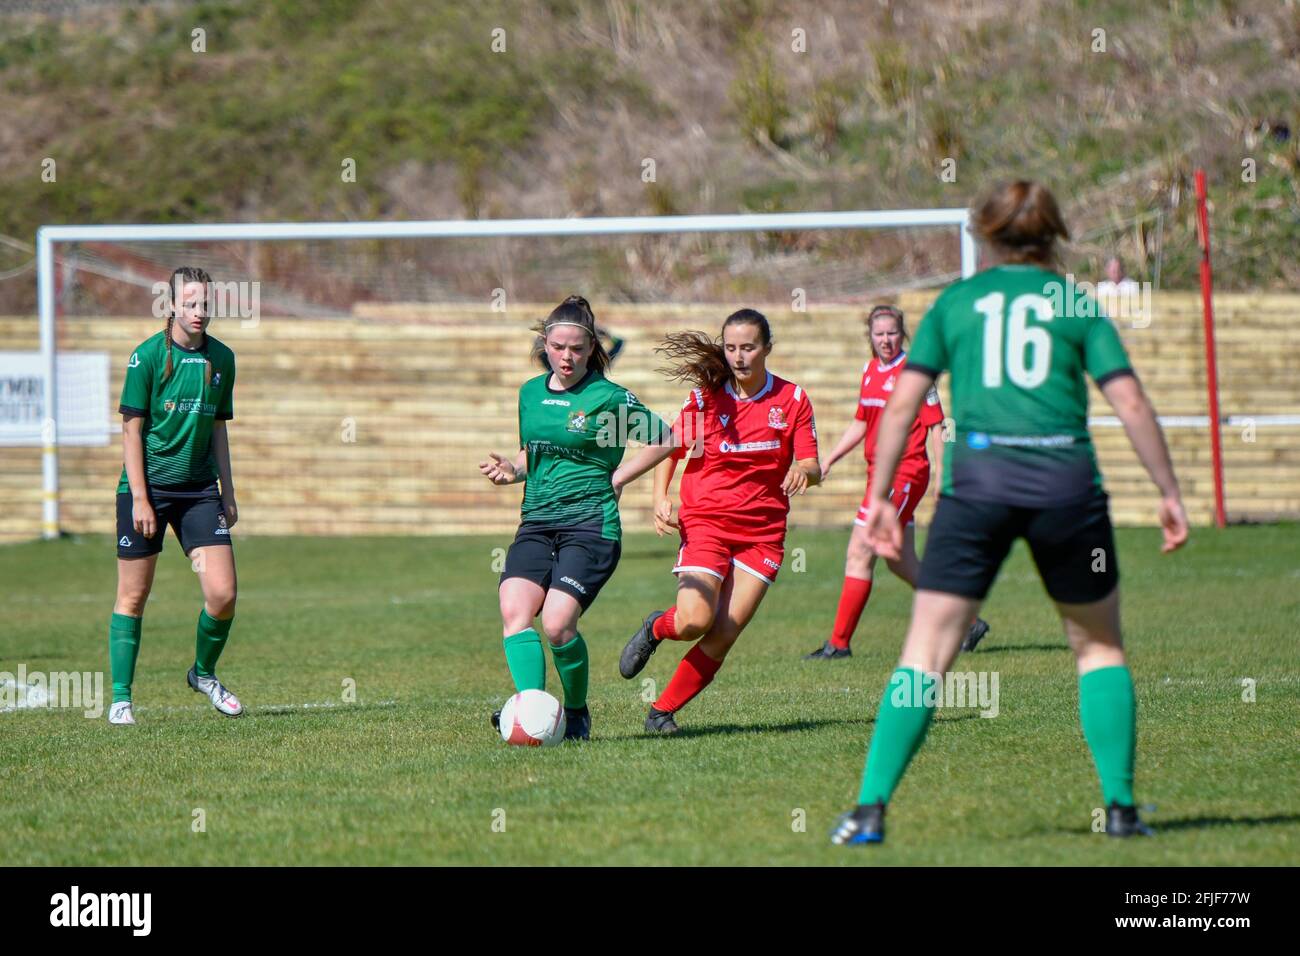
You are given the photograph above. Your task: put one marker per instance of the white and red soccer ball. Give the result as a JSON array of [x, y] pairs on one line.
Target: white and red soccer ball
[[532, 718]]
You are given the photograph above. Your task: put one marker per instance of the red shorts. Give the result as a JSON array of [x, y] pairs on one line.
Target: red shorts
[[905, 496], [711, 554]]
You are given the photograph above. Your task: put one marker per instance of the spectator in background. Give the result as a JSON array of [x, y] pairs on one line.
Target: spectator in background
[[1119, 295], [1116, 282]]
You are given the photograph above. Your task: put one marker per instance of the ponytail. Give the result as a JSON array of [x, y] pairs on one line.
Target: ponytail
[[1020, 222]]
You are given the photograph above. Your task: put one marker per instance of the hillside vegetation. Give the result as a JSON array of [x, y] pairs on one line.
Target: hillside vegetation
[[742, 105]]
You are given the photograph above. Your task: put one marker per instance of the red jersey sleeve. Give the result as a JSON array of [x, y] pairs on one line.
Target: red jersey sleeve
[[805, 427], [861, 413], [931, 413]]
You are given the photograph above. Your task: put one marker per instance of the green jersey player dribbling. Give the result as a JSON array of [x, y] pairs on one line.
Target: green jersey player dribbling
[[573, 427], [1018, 346]]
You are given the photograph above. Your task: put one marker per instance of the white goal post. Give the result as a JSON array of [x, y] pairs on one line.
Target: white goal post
[[47, 236]]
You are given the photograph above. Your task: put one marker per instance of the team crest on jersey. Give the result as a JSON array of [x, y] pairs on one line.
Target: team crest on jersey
[[578, 421], [169, 406], [889, 385], [776, 417]]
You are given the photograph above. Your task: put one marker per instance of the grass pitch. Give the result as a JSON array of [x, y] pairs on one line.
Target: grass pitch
[[411, 773]]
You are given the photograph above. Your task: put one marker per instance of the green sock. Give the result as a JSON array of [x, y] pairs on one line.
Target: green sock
[[571, 662], [901, 723], [526, 661], [1108, 713], [210, 642], [123, 648]]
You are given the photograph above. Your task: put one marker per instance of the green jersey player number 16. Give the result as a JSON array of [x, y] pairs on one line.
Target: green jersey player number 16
[[1022, 465]]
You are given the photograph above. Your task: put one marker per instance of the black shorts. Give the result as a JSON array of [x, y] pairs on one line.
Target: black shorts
[[1073, 546], [576, 561], [194, 511]]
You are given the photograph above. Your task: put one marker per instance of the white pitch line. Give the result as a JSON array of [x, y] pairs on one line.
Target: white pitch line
[[1202, 421], [252, 708], [1229, 682], [275, 708], [248, 594]]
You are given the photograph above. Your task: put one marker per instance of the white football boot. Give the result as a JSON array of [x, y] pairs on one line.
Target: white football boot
[[222, 699], [121, 713]]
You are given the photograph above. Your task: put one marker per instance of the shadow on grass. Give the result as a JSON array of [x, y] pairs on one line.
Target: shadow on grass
[[1192, 823], [1003, 648], [713, 729], [795, 726], [338, 710], [1207, 823]]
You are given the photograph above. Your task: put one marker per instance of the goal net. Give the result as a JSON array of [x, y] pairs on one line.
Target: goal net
[[379, 362]]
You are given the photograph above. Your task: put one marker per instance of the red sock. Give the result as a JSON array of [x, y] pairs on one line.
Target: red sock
[[693, 674], [852, 600], [665, 627]]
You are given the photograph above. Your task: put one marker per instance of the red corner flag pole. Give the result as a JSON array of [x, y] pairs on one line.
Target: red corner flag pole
[[1211, 366]]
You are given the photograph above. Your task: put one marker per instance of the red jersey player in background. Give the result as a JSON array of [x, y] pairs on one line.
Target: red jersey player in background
[[750, 443], [887, 333]]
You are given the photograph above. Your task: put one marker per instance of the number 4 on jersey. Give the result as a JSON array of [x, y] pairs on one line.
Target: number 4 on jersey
[[1021, 339]]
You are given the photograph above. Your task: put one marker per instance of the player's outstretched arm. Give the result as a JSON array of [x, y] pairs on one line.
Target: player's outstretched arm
[[1134, 409], [663, 481], [856, 431], [641, 462]]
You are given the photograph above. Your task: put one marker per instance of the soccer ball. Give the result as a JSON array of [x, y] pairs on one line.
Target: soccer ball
[[532, 718]]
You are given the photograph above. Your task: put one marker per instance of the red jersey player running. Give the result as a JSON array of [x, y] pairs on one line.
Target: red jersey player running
[[887, 333], [751, 443]]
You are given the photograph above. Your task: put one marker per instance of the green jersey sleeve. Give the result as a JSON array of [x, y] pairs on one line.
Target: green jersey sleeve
[[929, 350], [1103, 351], [643, 425], [137, 391]]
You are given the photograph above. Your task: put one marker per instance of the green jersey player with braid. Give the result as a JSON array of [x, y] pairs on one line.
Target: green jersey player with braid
[[1018, 343], [574, 425], [175, 404]]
